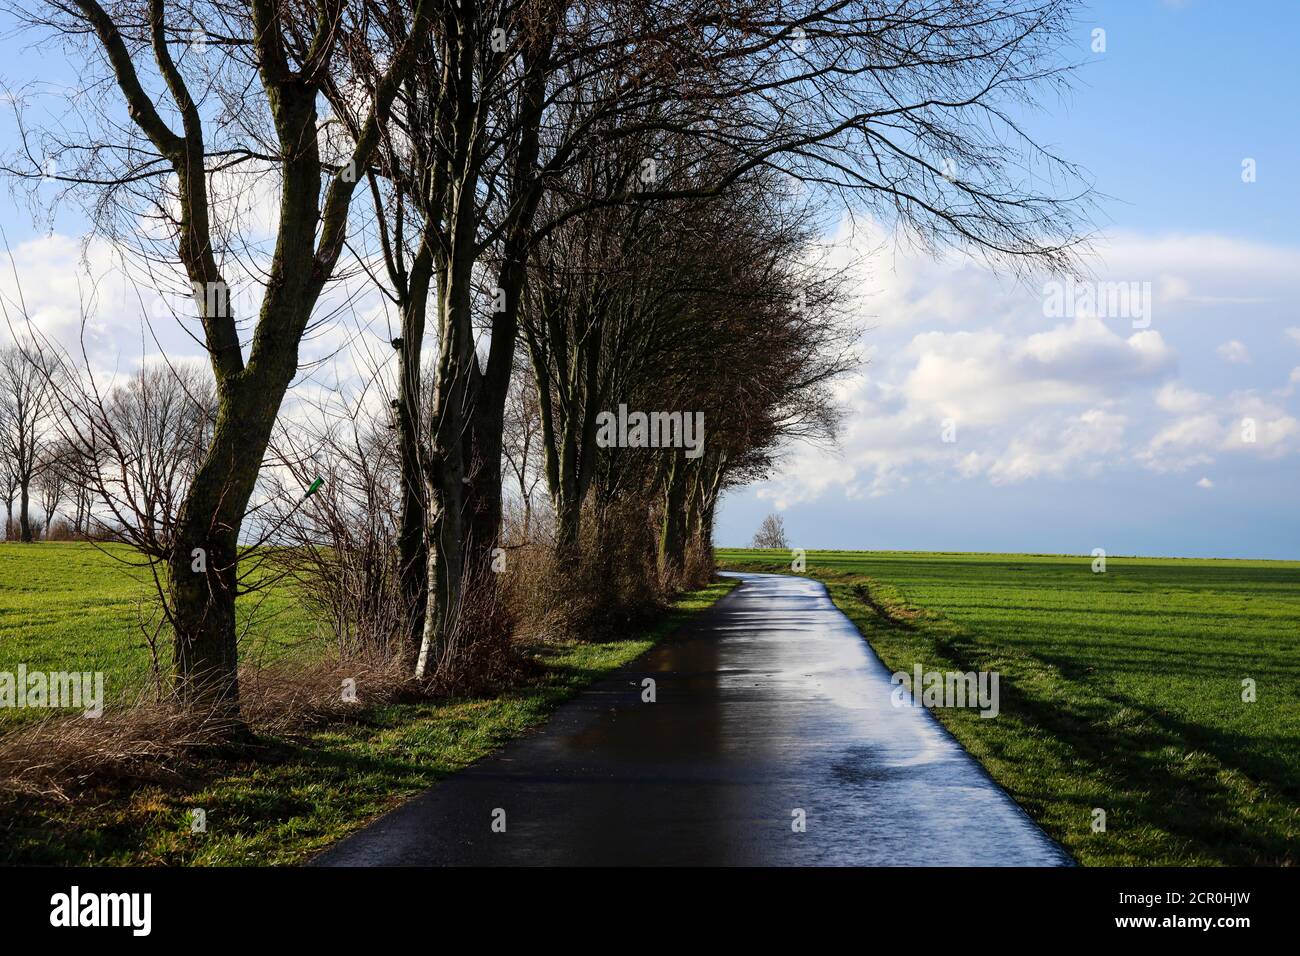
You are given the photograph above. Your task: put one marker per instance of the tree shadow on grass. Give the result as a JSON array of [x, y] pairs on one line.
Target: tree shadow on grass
[[1196, 784]]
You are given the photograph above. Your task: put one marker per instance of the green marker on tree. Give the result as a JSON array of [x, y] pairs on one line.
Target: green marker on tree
[[315, 487]]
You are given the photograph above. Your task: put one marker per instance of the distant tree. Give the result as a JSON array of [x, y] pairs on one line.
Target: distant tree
[[52, 481], [81, 492], [771, 533], [136, 449], [9, 487], [24, 415]]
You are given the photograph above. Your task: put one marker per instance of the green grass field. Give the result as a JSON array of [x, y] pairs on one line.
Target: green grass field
[[65, 607], [1120, 691], [79, 607]]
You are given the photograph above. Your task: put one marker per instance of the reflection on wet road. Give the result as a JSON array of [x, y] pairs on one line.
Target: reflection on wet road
[[770, 703]]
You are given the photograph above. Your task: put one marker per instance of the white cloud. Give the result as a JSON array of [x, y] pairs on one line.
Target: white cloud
[[1086, 438], [1172, 397], [1244, 424], [135, 312], [1234, 352], [1261, 427], [1205, 483], [987, 377], [1035, 398], [58, 280], [1183, 444], [1203, 267]]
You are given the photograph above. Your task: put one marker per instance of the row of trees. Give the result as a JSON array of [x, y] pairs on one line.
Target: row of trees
[[27, 461], [576, 205], [119, 471], [38, 470]]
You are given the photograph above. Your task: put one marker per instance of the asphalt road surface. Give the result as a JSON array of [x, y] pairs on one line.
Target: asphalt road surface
[[770, 708]]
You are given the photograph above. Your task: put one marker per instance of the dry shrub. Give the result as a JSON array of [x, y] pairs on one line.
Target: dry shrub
[[540, 594], [151, 741], [284, 699], [700, 566], [605, 585], [351, 588], [480, 655], [339, 545], [62, 530], [59, 756]]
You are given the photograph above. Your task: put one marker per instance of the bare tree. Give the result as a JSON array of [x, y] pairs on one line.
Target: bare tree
[[24, 420], [771, 533], [52, 481], [136, 448], [249, 104], [9, 485]]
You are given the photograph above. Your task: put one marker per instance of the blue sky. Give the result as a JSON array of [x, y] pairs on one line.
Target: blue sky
[[1139, 454], [1071, 433]]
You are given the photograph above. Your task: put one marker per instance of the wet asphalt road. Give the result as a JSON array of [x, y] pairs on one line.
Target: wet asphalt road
[[770, 702]]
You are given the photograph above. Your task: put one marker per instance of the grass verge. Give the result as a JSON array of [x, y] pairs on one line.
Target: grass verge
[[303, 792]]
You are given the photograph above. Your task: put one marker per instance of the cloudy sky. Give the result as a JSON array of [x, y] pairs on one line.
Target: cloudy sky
[[1173, 433], [985, 419]]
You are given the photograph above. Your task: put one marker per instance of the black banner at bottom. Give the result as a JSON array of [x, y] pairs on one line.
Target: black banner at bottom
[[346, 907]]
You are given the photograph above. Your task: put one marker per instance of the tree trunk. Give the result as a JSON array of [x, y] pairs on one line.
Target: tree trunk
[[445, 486], [708, 487], [492, 389], [706, 530], [413, 552], [672, 538], [24, 519], [483, 501], [568, 527], [204, 564], [202, 589], [445, 466]]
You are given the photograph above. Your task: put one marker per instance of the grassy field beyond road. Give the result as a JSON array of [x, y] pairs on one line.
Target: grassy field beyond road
[[1120, 691], [68, 606]]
